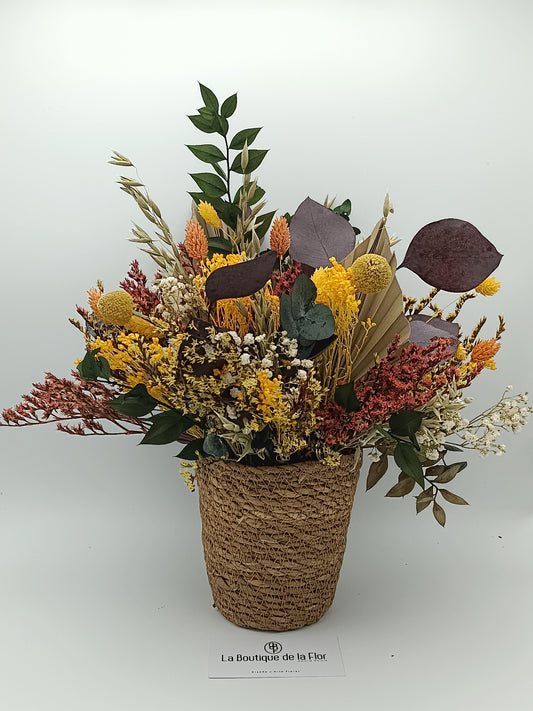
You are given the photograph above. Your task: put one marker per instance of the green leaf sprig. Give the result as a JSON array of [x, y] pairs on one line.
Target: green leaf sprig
[[215, 187]]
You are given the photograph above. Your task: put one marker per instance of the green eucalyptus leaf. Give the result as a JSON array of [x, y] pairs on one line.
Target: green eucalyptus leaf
[[287, 321], [303, 295], [207, 153], [247, 135], [255, 158], [214, 446], [136, 402], [209, 97], [318, 323], [228, 106]]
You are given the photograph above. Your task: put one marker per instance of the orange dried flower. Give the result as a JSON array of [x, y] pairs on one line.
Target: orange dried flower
[[484, 351], [94, 296], [195, 240], [280, 236]]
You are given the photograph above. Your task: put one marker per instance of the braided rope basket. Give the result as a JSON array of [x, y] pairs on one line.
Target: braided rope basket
[[274, 538]]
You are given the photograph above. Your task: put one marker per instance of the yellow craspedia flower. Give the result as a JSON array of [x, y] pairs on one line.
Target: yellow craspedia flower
[[208, 212], [370, 273], [488, 287], [115, 307], [460, 353]]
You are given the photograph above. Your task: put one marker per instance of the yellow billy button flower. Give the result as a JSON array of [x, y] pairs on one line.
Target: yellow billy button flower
[[488, 287], [370, 273], [115, 307], [208, 212]]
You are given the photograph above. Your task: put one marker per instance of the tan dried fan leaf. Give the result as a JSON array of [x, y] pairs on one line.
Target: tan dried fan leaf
[[385, 308]]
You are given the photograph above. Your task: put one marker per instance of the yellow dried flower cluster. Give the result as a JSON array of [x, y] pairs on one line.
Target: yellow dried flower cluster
[[489, 287], [335, 289], [208, 212], [133, 360]]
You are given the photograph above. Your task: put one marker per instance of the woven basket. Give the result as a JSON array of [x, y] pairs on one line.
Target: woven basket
[[274, 538]]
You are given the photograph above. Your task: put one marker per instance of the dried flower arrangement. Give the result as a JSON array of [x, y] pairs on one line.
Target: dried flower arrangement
[[285, 345]]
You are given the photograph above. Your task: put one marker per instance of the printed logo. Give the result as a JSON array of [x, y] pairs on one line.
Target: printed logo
[[273, 647]]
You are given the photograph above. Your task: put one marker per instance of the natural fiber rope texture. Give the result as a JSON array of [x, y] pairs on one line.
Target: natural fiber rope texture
[[274, 538]]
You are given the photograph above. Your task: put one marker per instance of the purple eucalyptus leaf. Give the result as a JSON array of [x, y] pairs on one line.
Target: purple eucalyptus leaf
[[318, 233], [241, 279], [451, 255], [424, 328]]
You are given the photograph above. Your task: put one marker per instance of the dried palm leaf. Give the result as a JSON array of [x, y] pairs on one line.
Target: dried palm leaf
[[385, 308]]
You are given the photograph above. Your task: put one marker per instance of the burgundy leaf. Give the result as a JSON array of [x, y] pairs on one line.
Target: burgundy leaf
[[451, 255], [424, 328], [241, 279], [318, 233]]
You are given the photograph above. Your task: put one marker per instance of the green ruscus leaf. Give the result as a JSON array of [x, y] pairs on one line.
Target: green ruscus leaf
[[406, 423], [204, 123], [135, 403], [209, 97], [212, 185], [191, 450], [406, 458], [228, 106], [92, 368], [207, 153], [255, 158], [247, 135], [167, 427]]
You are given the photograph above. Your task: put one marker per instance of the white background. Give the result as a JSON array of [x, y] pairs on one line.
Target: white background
[[104, 602]]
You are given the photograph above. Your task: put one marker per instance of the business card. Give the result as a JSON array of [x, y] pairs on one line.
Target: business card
[[274, 654]]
